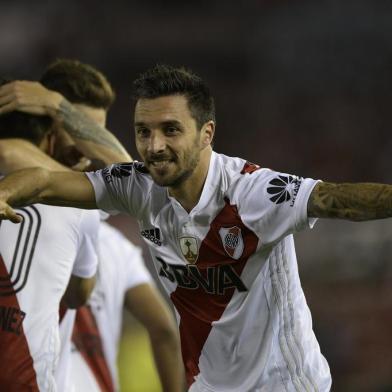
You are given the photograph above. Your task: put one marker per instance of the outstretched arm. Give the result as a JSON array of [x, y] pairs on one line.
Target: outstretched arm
[[37, 185], [356, 202], [149, 308], [93, 140]]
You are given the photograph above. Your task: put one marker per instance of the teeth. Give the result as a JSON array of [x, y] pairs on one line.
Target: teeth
[[159, 163]]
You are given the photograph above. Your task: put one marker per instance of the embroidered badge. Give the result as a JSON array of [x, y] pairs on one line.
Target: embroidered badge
[[232, 240], [189, 249]]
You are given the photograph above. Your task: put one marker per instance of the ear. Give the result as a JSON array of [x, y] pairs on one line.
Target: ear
[[48, 143], [51, 143], [207, 133]]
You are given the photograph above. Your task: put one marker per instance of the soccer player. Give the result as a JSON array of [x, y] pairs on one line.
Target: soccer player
[[53, 248], [220, 233], [122, 278]]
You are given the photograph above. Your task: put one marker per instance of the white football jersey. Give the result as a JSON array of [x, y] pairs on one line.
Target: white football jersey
[[121, 268], [37, 258], [230, 269]]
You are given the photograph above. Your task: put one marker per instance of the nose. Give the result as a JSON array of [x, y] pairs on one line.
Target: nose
[[157, 143]]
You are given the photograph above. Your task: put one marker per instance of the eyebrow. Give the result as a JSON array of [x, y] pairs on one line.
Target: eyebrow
[[164, 123]]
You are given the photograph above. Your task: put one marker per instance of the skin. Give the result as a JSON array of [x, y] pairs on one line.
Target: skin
[[15, 154], [354, 202], [93, 140], [146, 304], [165, 129], [143, 301], [176, 153]]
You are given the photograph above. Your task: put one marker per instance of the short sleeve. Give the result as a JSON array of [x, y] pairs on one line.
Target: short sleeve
[[86, 262], [120, 188], [137, 272], [274, 204]]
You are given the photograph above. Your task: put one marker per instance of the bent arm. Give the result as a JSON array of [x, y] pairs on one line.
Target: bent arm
[[146, 304], [37, 185], [356, 202], [94, 141], [17, 154]]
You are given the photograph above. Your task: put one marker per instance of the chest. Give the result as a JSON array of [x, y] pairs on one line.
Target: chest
[[205, 250]]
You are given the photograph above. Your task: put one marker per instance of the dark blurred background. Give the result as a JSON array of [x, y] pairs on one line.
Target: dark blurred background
[[303, 87]]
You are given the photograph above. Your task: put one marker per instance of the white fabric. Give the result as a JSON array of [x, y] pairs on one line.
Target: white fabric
[[244, 221], [82, 377], [52, 237], [63, 373], [121, 268]]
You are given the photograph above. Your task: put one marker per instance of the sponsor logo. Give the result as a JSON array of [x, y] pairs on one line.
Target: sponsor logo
[[189, 249], [121, 170], [153, 235], [214, 280], [11, 319], [284, 188], [232, 240]]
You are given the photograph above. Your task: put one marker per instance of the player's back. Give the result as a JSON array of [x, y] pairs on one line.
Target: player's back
[[37, 258]]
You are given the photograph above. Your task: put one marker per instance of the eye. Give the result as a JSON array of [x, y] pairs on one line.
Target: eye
[[171, 130], [142, 132]]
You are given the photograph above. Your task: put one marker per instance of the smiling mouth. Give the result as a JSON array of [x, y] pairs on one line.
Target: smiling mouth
[[160, 164]]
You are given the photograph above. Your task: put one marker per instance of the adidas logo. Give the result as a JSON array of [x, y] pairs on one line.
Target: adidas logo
[[153, 235]]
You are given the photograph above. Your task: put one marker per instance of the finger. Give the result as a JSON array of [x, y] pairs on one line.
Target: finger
[[10, 214], [6, 99], [13, 216], [16, 219], [9, 107], [8, 88], [82, 165]]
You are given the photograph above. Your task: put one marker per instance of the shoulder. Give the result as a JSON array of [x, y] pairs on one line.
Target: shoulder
[[125, 169], [237, 172]]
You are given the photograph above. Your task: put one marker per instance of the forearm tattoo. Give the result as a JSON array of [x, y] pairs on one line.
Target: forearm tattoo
[[356, 202], [79, 126]]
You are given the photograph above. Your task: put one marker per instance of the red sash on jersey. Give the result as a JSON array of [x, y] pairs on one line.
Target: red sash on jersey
[[87, 340], [17, 370]]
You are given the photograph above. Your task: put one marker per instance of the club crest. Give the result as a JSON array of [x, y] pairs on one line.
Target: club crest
[[189, 249], [232, 240]]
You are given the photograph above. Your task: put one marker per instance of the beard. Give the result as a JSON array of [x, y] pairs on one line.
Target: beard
[[179, 168], [179, 176]]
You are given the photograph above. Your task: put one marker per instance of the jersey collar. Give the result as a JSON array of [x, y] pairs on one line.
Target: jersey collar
[[212, 181]]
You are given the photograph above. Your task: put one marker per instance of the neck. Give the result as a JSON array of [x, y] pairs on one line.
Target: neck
[[188, 193]]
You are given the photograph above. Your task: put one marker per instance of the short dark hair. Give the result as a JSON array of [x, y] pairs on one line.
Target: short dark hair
[[79, 83], [23, 125], [163, 80]]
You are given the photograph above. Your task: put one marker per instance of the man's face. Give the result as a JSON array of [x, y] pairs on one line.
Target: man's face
[[167, 138]]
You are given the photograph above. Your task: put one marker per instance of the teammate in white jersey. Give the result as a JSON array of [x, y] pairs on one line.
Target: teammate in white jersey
[[122, 279], [37, 260], [220, 233]]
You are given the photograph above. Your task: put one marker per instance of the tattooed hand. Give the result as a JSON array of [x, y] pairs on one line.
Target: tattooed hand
[[356, 202]]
